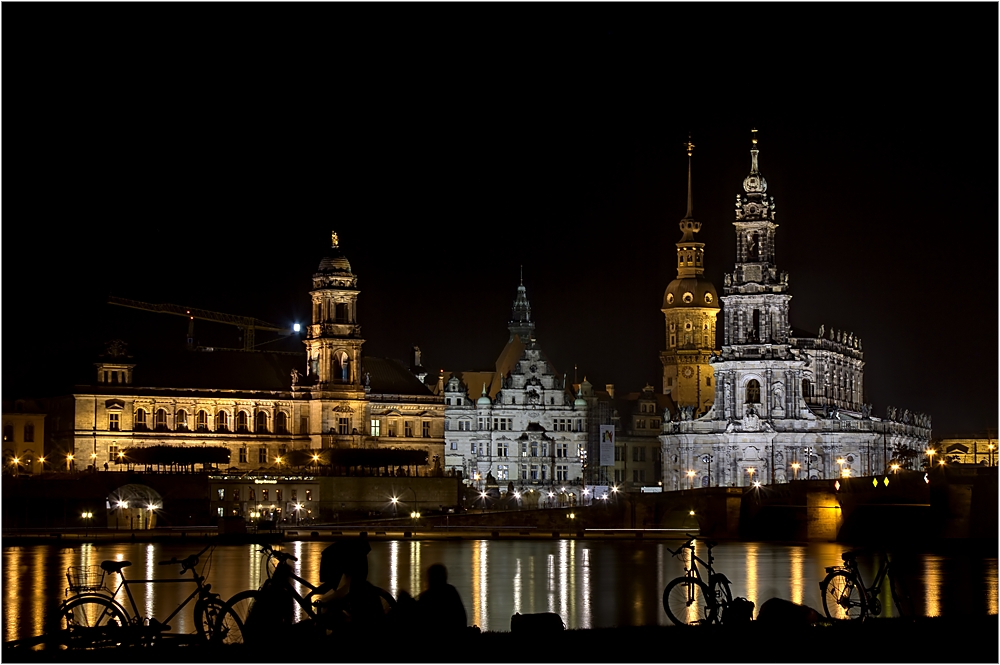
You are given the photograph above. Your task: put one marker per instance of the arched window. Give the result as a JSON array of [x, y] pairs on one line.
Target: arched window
[[202, 421], [753, 392], [29, 432], [242, 422], [222, 422], [341, 367], [260, 426], [181, 422], [140, 420], [160, 422], [281, 422]]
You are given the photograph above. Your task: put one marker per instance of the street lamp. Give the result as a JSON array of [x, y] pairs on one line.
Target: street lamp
[[751, 470], [840, 461], [808, 452], [86, 521], [795, 470], [990, 449], [707, 459], [298, 509], [930, 452], [690, 479], [69, 461], [895, 468], [16, 463]]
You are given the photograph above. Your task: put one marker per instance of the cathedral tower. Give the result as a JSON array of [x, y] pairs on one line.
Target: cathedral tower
[[690, 307]]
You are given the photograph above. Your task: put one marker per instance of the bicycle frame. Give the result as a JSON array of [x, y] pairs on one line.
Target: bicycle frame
[[287, 576], [135, 615]]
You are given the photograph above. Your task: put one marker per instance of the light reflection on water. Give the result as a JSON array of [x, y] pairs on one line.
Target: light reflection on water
[[588, 583]]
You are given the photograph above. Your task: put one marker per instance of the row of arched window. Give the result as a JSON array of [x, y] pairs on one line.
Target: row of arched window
[[157, 421]]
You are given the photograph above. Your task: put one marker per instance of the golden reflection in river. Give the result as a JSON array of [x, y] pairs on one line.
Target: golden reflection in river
[[564, 572], [394, 568], [661, 581], [752, 552], [415, 550], [12, 590], [991, 586], [932, 585], [38, 609], [517, 586], [150, 563], [480, 614], [297, 613], [550, 583], [636, 588], [531, 583], [253, 570], [797, 573], [584, 587]]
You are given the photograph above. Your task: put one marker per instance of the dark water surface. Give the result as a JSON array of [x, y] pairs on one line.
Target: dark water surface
[[590, 584]]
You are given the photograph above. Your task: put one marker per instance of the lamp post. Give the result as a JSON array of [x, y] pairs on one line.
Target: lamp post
[[86, 522], [930, 452], [751, 470], [298, 509], [69, 461], [894, 468], [840, 461], [16, 463], [795, 470], [990, 449], [690, 474], [808, 453], [707, 459]]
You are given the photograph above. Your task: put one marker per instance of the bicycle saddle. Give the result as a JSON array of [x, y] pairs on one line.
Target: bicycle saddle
[[115, 566]]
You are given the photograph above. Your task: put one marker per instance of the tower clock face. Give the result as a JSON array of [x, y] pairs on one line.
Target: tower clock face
[[687, 372]]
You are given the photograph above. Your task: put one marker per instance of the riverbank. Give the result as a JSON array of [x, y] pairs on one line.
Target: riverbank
[[923, 640]]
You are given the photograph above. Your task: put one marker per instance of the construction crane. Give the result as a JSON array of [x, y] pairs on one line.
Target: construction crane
[[246, 323]]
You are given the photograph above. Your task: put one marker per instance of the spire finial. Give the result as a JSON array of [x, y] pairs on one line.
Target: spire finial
[[690, 208], [334, 240], [522, 274]]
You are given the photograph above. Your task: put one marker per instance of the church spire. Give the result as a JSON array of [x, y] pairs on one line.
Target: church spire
[[690, 209], [520, 320], [754, 183]]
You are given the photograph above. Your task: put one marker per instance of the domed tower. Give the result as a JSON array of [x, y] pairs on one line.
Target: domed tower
[[690, 307], [333, 344]]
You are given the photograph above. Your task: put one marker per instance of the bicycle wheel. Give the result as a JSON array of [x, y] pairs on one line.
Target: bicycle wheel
[[687, 602], [843, 597], [206, 614], [92, 621], [233, 617]]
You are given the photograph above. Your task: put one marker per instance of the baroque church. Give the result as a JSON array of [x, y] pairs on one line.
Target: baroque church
[[776, 404]]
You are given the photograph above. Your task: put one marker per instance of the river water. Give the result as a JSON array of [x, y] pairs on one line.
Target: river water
[[590, 584]]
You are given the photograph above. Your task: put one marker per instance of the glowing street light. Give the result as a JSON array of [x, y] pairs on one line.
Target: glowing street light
[[690, 474], [795, 470], [298, 509], [751, 470], [895, 468], [840, 461], [930, 452], [16, 463], [69, 460]]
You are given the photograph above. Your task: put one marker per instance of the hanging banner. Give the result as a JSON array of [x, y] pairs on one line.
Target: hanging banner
[[607, 445]]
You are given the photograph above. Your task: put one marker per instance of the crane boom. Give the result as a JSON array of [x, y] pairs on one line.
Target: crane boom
[[248, 323]]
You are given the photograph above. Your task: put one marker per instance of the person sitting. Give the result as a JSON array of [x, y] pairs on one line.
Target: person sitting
[[351, 599], [440, 605]]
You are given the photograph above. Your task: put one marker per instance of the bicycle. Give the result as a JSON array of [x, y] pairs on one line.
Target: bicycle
[[845, 595], [93, 615], [278, 587], [689, 600]]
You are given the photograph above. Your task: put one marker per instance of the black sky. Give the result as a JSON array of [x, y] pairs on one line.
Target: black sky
[[200, 154]]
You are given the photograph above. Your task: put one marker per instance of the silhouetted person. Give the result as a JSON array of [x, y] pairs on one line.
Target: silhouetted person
[[351, 599], [440, 605]]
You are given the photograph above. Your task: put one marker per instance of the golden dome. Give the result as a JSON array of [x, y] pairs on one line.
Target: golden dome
[[697, 291]]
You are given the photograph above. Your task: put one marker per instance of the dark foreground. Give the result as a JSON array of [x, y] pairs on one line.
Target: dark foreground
[[925, 640]]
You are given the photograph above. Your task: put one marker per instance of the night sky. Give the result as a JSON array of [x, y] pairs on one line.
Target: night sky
[[201, 154]]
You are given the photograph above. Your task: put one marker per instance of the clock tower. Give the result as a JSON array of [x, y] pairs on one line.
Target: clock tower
[[690, 308]]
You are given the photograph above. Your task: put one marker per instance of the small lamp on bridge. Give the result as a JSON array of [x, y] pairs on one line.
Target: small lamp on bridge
[[690, 479]]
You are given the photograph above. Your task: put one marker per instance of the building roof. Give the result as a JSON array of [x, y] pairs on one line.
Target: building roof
[[390, 376]]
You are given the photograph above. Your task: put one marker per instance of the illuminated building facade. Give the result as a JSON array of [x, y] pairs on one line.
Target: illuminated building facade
[[690, 308], [23, 437], [259, 405], [520, 421], [787, 404]]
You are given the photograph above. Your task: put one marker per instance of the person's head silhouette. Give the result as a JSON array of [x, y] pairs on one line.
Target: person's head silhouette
[[437, 575]]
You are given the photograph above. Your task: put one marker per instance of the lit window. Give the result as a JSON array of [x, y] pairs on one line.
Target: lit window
[[376, 427]]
